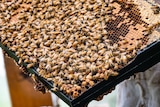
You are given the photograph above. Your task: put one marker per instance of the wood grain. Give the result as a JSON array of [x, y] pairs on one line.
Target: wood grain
[[22, 90]]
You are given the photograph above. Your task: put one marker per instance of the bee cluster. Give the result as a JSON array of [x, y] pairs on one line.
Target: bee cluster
[[66, 40]]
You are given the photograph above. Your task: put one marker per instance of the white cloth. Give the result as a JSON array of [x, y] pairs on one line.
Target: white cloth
[[141, 91]]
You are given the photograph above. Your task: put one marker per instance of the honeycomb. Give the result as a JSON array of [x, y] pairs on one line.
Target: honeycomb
[[75, 44], [127, 25]]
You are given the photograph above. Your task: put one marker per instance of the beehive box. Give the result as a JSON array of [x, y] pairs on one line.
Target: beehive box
[[80, 50]]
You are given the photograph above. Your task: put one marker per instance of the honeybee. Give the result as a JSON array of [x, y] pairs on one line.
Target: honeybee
[[149, 30], [124, 59], [156, 9], [20, 61], [30, 65]]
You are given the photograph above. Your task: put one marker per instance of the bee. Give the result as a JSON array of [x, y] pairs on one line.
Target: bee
[[147, 32], [64, 65], [129, 5], [138, 44], [109, 12], [106, 76], [55, 89], [115, 53], [50, 2], [156, 9], [116, 66], [97, 36], [83, 1], [121, 1], [106, 66], [28, 1], [134, 52], [26, 44], [150, 29], [102, 51], [48, 43], [99, 97], [91, 83], [49, 79], [109, 53], [155, 26], [115, 46], [68, 91], [124, 59], [75, 94], [124, 41], [84, 83], [82, 67], [13, 48], [48, 67], [78, 87], [30, 65], [20, 61], [29, 53], [131, 48], [112, 73], [110, 61], [75, 44], [101, 75], [70, 76], [89, 77]]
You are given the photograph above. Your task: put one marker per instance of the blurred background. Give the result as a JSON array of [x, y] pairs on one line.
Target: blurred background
[[17, 90]]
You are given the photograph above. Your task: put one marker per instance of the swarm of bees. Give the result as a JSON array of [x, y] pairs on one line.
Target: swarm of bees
[[65, 40]]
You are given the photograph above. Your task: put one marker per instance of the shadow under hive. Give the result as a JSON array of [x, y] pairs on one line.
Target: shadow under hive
[[126, 29]]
